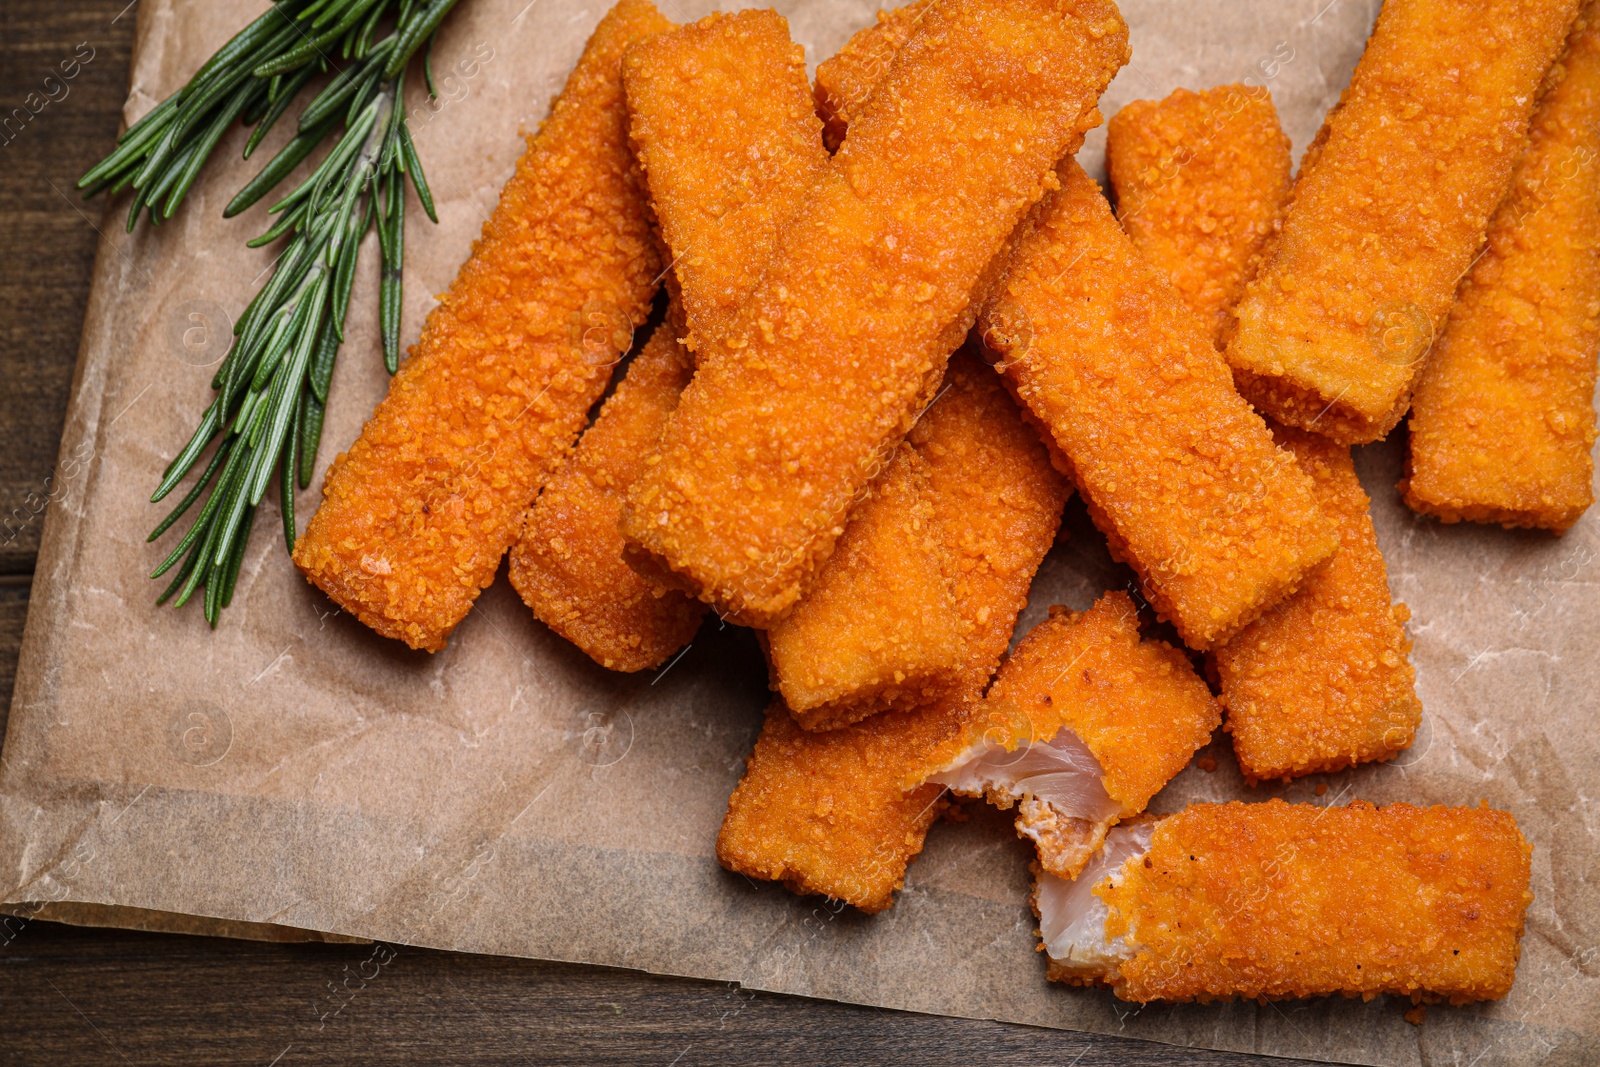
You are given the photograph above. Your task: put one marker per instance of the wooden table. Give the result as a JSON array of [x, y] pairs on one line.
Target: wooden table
[[75, 996]]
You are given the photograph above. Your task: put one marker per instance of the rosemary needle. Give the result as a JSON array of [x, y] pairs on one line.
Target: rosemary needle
[[272, 388]]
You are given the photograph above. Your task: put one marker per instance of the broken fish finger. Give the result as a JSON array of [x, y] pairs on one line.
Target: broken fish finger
[[1281, 900], [1083, 725], [840, 812]]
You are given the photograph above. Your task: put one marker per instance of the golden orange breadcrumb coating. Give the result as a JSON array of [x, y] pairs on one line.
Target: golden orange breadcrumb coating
[[1178, 473], [721, 120], [417, 514], [824, 368], [1389, 210], [880, 624], [1503, 420], [846, 78], [1200, 180], [1137, 706], [1295, 900], [838, 812], [723, 125], [826, 812], [996, 499], [568, 565], [879, 628], [1322, 682]]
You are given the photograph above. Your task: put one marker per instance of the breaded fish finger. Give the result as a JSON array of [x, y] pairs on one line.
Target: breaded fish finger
[[879, 627], [568, 566], [721, 119], [839, 812], [722, 123], [997, 501], [723, 126], [417, 514], [1296, 900], [824, 368], [846, 78], [1503, 421], [1322, 681], [1389, 210], [1083, 725], [1201, 180], [826, 812], [1178, 473]]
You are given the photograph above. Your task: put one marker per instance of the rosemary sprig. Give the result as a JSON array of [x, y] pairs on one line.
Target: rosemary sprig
[[272, 387]]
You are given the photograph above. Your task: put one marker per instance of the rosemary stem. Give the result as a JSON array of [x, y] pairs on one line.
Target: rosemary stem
[[271, 389]]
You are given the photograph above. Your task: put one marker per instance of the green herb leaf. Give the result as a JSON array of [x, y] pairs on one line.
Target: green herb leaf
[[271, 390]]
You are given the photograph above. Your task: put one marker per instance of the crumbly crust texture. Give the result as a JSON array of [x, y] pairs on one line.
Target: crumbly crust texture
[[1295, 900], [416, 516], [1502, 425], [847, 78], [825, 367], [1322, 681], [1179, 473], [720, 116], [1390, 210], [567, 564], [1201, 180], [1138, 706], [879, 627], [840, 812]]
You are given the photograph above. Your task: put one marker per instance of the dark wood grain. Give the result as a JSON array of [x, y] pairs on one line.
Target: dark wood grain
[[74, 996], [13, 612], [47, 232]]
